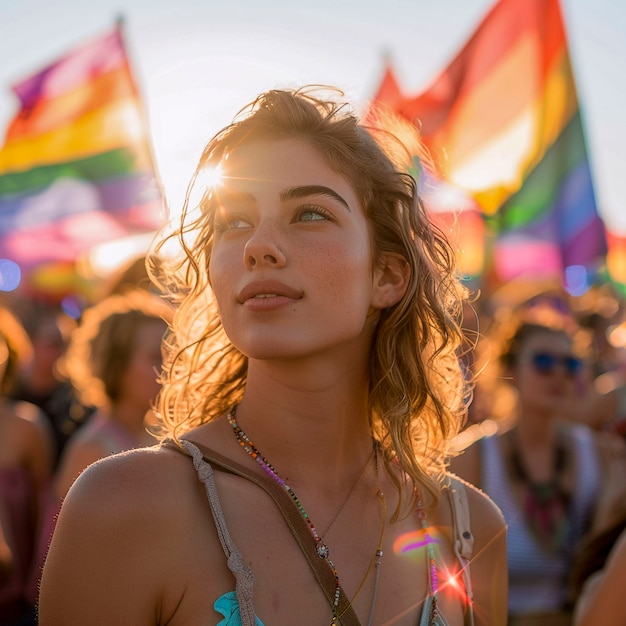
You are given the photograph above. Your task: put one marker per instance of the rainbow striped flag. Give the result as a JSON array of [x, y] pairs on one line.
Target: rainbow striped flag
[[616, 261], [502, 122], [76, 168]]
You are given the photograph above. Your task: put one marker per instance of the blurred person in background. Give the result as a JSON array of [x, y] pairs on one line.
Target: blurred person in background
[[543, 470], [605, 406], [40, 379], [130, 276], [113, 360], [26, 453], [599, 576]]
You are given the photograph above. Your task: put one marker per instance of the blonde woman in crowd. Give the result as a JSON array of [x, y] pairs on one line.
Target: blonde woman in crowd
[[113, 360], [311, 386]]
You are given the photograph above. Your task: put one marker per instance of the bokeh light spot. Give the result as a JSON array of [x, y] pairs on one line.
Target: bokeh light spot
[[576, 280], [72, 306], [10, 275]]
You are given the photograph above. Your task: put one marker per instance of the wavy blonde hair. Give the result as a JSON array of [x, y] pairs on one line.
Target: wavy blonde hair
[[15, 349], [418, 391]]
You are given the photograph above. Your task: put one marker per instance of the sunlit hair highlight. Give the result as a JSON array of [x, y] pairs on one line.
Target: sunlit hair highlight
[[417, 387], [15, 349]]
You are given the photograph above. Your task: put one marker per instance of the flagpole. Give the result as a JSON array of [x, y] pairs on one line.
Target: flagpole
[[120, 26]]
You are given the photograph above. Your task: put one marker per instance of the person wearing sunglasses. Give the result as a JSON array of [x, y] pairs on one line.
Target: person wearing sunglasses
[[542, 469], [547, 363]]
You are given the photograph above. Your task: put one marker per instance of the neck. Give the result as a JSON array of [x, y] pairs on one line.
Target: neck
[[131, 420], [313, 444], [535, 429], [315, 402], [535, 450]]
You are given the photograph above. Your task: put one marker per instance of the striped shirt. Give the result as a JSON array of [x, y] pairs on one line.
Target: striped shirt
[[538, 580]]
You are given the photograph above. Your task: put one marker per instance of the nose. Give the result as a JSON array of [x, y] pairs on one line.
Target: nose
[[263, 249]]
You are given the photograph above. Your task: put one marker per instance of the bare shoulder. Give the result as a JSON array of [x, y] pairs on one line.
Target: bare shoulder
[[28, 419], [29, 436], [481, 507], [30, 412], [116, 531], [608, 447], [135, 482]]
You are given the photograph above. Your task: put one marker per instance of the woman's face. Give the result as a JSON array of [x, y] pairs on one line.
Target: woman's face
[[139, 382], [291, 265], [547, 373]]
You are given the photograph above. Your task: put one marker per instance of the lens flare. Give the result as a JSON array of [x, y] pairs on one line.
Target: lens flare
[[424, 544], [411, 544], [211, 176]]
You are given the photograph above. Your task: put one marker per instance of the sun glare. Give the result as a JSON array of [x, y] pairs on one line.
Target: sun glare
[[211, 176], [207, 178]]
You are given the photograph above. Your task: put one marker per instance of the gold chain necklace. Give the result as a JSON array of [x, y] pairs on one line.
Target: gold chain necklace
[[356, 482]]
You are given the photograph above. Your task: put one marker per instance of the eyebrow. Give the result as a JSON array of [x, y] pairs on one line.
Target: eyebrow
[[311, 190]]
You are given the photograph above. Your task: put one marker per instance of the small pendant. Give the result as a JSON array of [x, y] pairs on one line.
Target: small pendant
[[322, 550]]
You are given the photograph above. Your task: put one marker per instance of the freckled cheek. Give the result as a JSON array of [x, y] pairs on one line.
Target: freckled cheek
[[222, 269], [342, 276]]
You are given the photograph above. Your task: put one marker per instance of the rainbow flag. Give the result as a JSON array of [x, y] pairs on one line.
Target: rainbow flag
[[502, 122], [616, 261], [76, 168]]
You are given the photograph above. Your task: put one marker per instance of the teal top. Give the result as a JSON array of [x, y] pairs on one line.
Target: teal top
[[228, 606]]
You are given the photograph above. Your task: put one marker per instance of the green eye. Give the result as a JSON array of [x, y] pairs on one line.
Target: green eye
[[237, 223], [312, 213], [311, 216], [225, 223]]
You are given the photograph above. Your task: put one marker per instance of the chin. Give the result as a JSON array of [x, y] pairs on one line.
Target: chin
[[267, 350]]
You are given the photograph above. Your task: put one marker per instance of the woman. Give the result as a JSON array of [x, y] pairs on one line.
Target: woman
[[26, 453], [544, 472], [41, 380], [113, 360], [313, 350]]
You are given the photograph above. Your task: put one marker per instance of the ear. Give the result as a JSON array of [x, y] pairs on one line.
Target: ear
[[391, 278]]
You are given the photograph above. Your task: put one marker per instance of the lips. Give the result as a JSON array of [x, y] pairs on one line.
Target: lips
[[263, 290]]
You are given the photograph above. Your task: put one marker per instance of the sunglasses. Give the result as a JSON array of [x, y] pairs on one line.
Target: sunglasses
[[546, 363]]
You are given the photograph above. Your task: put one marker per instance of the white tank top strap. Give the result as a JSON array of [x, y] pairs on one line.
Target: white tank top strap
[[463, 538], [243, 575]]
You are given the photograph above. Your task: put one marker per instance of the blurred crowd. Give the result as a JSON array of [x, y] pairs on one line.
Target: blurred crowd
[[544, 437], [72, 391], [545, 440]]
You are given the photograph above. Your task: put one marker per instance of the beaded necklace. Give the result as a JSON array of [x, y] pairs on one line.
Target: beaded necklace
[[321, 548], [546, 504], [432, 571]]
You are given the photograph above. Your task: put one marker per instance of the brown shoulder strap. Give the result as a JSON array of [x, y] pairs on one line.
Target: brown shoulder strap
[[298, 526]]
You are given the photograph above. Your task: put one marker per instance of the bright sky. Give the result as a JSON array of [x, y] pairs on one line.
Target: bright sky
[[198, 61]]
